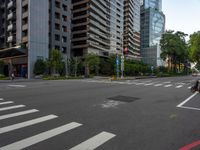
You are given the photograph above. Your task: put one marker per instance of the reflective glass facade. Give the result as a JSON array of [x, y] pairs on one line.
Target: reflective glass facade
[[152, 28], [156, 4]]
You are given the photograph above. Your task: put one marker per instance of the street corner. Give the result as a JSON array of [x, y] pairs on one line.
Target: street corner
[[191, 103]]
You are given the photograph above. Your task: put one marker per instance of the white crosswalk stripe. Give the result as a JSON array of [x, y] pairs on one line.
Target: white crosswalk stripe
[[158, 85], [166, 84], [169, 85], [11, 107], [26, 123], [18, 114], [90, 144], [149, 84], [8, 102], [1, 99], [15, 85], [94, 142], [179, 86], [40, 137]]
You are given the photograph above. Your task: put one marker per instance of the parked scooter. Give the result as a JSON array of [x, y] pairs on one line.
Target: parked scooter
[[196, 86]]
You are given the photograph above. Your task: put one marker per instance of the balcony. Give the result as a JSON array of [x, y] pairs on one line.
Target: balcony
[[25, 14], [24, 3], [10, 16], [10, 27], [25, 27], [10, 4], [25, 39], [10, 39]]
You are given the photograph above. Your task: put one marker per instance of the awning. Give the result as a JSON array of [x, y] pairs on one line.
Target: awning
[[11, 52]]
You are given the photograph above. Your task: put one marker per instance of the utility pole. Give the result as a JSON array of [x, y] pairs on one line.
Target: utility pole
[[117, 64], [66, 65], [122, 66]]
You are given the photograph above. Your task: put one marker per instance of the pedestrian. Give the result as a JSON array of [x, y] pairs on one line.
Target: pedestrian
[[12, 76], [196, 86]]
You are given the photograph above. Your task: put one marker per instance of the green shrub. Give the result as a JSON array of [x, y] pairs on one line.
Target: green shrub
[[39, 67]]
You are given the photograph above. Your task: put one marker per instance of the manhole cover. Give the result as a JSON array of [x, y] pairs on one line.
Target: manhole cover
[[126, 99]]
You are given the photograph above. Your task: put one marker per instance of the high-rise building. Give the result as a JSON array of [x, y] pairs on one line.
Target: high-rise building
[[152, 28], [132, 28], [97, 27], [29, 29]]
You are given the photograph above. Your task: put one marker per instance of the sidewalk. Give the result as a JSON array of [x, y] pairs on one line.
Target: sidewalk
[[19, 80]]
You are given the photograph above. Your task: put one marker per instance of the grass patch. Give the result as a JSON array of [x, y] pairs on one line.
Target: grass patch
[[60, 78]]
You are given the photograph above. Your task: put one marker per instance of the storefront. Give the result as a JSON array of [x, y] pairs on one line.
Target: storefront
[[15, 61]]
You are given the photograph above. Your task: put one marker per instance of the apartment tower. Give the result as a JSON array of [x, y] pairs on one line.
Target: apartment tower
[[97, 27], [132, 29], [29, 29]]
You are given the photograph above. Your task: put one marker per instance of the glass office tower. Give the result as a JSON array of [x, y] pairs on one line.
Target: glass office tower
[[152, 28]]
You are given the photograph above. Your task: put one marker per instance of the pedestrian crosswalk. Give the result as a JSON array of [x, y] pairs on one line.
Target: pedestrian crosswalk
[[89, 144], [155, 83]]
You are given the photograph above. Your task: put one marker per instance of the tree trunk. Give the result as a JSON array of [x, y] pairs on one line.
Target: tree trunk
[[87, 71]]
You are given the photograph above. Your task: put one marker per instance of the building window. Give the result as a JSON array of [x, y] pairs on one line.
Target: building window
[[57, 37], [64, 7], [64, 28], [57, 15], [64, 39], [57, 47], [64, 18], [57, 4], [57, 26], [64, 50]]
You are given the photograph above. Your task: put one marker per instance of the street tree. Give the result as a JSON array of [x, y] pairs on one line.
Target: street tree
[[1, 66], [91, 63], [194, 47], [39, 67], [56, 61], [174, 48]]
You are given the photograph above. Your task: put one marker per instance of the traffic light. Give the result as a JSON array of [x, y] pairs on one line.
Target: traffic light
[[126, 50]]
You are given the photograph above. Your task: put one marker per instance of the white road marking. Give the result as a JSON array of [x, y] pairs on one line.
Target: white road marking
[[111, 104], [26, 123], [179, 86], [149, 84], [139, 83], [11, 107], [187, 100], [40, 137], [189, 87], [18, 114], [158, 84], [94, 142], [8, 102], [16, 85], [167, 82], [1, 99], [191, 108], [169, 85]]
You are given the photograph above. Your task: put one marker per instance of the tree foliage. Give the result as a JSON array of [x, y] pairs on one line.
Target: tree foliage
[[91, 64], [174, 48], [56, 61], [1, 66], [39, 67], [194, 47]]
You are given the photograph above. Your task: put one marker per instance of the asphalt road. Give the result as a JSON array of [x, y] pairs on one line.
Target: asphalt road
[[147, 114]]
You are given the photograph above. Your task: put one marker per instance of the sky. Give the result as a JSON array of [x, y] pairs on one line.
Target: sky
[[182, 15]]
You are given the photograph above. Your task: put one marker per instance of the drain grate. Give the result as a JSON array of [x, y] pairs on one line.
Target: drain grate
[[126, 99]]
